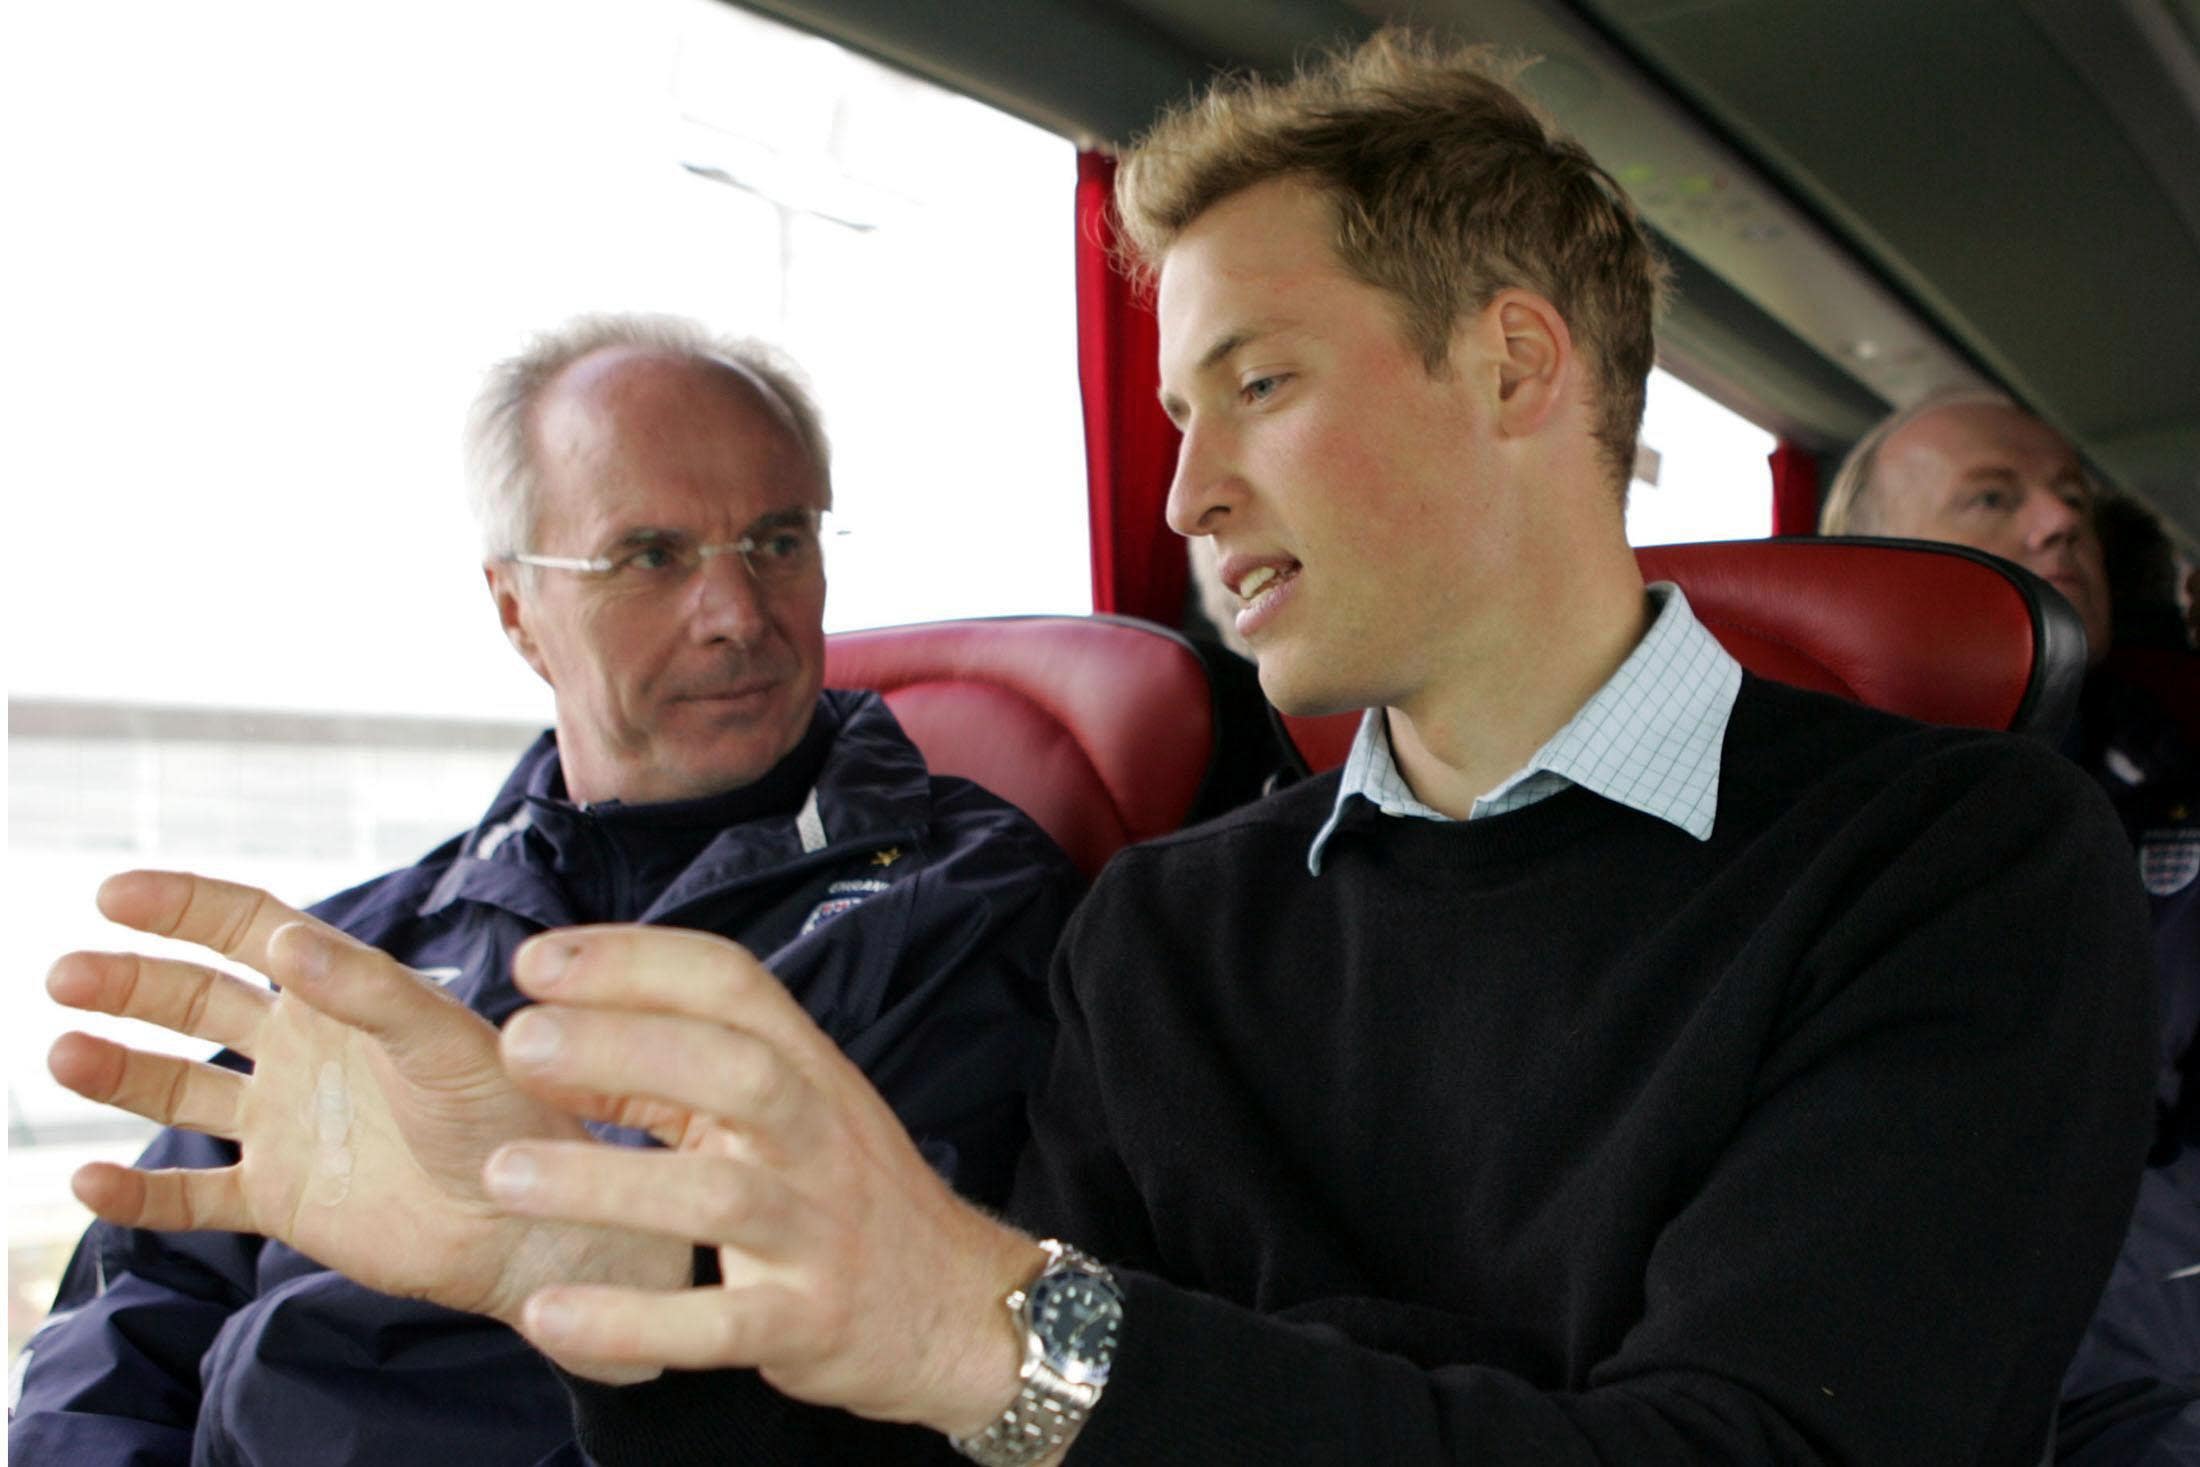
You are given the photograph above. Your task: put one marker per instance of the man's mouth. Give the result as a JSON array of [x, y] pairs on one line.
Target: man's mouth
[[1262, 581], [1262, 587], [730, 692]]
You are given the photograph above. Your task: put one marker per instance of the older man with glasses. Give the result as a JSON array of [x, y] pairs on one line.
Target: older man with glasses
[[653, 504]]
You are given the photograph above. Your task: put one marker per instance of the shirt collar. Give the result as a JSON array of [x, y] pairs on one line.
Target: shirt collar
[[1650, 738]]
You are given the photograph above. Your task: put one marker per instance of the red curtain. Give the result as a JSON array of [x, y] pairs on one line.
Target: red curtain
[[1138, 565], [1794, 490]]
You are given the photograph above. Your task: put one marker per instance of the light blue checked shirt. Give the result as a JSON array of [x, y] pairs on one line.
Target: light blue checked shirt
[[1648, 739]]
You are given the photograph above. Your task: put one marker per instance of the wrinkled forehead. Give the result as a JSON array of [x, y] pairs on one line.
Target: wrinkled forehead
[[1965, 439], [625, 437]]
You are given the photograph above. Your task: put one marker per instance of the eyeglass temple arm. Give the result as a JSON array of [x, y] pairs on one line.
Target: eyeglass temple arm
[[561, 562]]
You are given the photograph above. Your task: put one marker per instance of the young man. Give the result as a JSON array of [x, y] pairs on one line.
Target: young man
[[650, 498], [1622, 1060]]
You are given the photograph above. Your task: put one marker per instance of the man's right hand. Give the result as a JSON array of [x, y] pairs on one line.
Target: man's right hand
[[373, 1101]]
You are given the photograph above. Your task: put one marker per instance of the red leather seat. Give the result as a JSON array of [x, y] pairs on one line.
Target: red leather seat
[[1935, 632], [1100, 728]]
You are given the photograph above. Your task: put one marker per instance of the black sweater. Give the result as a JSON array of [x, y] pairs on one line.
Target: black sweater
[[1562, 1137]]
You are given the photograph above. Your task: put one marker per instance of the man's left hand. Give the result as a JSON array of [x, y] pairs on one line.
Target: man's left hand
[[852, 1275]]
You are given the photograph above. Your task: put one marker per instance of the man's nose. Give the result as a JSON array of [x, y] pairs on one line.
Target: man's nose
[[725, 603], [2051, 520], [1205, 483]]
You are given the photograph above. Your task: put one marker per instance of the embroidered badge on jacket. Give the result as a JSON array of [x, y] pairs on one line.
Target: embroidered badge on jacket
[[841, 896], [2169, 859]]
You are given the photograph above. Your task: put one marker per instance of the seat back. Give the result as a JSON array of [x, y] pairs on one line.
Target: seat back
[[1100, 728], [1934, 632]]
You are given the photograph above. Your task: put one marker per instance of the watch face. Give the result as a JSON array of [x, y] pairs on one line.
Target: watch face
[[1076, 1317]]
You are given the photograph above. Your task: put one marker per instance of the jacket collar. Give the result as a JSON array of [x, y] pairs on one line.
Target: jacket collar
[[854, 780]]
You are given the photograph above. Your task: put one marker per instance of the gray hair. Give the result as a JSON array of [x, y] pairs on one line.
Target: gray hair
[[1849, 508], [500, 458]]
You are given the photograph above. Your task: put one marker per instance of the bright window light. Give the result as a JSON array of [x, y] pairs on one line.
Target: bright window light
[[1712, 466], [260, 255], [267, 251]]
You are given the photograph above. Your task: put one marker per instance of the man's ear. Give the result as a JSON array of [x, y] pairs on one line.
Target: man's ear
[[504, 578], [1536, 364]]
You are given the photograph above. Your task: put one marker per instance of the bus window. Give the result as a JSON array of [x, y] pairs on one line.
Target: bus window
[[277, 247], [1701, 471]]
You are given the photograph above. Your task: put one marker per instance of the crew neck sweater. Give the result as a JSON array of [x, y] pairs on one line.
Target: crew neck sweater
[[1563, 1137]]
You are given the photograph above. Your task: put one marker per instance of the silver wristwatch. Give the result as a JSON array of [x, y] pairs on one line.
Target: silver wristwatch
[[1069, 1316]]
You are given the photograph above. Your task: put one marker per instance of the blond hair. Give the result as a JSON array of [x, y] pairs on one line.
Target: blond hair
[[1448, 185]]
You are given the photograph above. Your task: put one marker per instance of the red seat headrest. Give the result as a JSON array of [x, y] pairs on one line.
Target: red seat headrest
[[1934, 632], [1100, 728]]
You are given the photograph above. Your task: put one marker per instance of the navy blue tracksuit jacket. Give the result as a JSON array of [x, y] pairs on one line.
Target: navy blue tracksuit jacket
[[2132, 1394], [913, 917]]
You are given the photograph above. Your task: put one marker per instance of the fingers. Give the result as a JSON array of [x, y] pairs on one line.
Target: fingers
[[170, 1201], [668, 1123], [333, 972], [182, 997], [693, 1196], [678, 1062], [233, 920], [665, 970], [366, 988], [696, 1329], [159, 1087]]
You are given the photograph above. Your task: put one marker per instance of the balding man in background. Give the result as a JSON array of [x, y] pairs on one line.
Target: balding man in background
[[651, 500], [1973, 468]]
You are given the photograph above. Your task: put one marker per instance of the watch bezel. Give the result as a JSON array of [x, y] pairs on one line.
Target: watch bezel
[[1091, 1297]]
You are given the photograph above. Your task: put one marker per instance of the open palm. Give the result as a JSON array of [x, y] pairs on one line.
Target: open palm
[[374, 1099]]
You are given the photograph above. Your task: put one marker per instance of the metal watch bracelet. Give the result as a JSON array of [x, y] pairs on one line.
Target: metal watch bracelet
[[1070, 1312]]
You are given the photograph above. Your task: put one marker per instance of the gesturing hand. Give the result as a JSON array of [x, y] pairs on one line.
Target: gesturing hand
[[373, 1100], [852, 1275]]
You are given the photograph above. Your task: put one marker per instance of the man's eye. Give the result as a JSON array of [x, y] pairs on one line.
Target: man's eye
[[1260, 389], [782, 545], [646, 558], [1997, 500]]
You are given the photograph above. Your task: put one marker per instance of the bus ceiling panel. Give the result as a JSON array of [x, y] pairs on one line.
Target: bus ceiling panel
[[2021, 168], [2146, 75], [2143, 67], [2161, 465], [1272, 36], [1090, 71], [1706, 198]]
